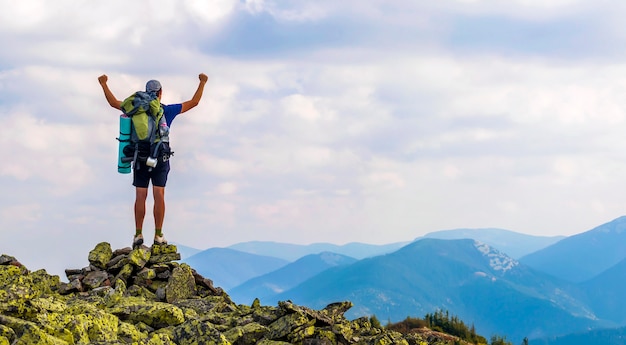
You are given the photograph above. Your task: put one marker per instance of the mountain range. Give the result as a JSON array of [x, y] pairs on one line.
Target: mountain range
[[570, 288], [512, 243], [292, 252], [287, 277], [583, 256], [229, 268]]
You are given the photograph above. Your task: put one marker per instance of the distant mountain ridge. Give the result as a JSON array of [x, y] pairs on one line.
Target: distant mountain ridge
[[606, 293], [583, 256], [287, 277], [514, 244], [292, 252], [228, 268]]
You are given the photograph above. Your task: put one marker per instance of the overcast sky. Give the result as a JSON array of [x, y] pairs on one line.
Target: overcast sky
[[323, 121]]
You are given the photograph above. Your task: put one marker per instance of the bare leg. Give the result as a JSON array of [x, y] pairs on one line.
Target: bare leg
[[141, 194], [159, 206]]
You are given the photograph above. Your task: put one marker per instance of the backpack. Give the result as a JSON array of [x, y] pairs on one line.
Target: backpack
[[149, 138]]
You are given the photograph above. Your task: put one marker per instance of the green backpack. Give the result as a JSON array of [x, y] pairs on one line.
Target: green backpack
[[149, 134], [146, 113]]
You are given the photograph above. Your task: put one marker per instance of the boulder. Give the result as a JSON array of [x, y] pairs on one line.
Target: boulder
[[100, 255], [181, 285]]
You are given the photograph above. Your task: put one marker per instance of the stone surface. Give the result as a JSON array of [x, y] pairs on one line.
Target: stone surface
[[100, 255], [95, 279], [181, 285]]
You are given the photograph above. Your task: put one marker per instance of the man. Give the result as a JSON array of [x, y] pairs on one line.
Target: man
[[158, 175]]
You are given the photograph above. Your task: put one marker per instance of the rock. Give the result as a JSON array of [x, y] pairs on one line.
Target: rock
[[153, 314], [147, 274], [27, 332], [125, 273], [73, 272], [115, 260], [139, 257], [164, 249], [123, 251], [181, 285], [7, 333], [157, 259], [249, 333], [76, 285], [96, 279], [279, 329], [128, 333], [197, 332], [6, 259], [100, 255]]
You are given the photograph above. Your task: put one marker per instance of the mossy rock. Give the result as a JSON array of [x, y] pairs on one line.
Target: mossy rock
[[27, 333], [272, 342], [44, 283], [247, 334], [7, 333], [146, 274], [95, 279], [128, 333], [300, 333], [50, 304], [139, 257], [159, 339], [140, 291], [153, 314], [81, 325], [324, 336], [164, 249], [282, 327], [100, 255], [195, 332], [181, 284], [125, 273]]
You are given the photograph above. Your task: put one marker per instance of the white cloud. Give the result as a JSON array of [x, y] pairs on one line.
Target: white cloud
[[30, 212]]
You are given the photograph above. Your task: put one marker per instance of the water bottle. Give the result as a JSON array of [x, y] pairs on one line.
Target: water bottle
[[164, 132]]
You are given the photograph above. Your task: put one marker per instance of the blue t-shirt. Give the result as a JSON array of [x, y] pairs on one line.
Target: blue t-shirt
[[171, 111]]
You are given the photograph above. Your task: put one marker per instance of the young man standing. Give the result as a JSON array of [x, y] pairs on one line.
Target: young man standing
[[158, 175]]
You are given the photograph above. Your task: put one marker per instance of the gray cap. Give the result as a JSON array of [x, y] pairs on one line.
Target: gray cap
[[153, 86]]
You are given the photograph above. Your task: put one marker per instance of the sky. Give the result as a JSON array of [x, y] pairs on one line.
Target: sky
[[322, 121]]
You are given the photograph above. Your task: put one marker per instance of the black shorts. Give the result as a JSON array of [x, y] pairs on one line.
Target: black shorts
[[142, 174]]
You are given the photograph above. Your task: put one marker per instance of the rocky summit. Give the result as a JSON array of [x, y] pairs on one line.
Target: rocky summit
[[143, 296]]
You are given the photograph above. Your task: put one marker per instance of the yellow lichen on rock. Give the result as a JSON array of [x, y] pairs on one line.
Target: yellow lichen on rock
[[181, 285], [100, 255]]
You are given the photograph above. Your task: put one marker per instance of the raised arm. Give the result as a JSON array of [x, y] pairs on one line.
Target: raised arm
[[197, 95], [113, 102]]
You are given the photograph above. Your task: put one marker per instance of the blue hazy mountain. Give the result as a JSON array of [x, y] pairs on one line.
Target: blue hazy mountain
[[286, 277], [228, 268], [606, 292], [292, 252], [581, 257], [472, 280], [186, 251], [613, 336], [514, 244]]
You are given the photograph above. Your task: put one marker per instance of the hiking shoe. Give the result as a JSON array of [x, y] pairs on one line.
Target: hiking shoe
[[137, 241], [160, 240]]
